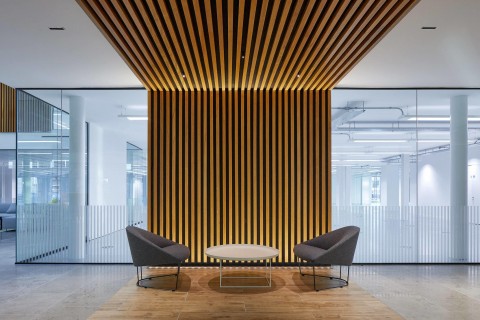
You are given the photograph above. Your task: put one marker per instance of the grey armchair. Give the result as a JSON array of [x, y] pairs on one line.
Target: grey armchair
[[333, 248], [149, 249]]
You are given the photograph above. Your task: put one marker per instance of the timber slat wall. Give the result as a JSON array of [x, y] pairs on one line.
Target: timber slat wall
[[8, 100], [239, 167], [239, 109]]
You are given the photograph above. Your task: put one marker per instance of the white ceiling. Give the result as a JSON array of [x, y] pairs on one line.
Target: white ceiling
[[33, 56], [411, 57]]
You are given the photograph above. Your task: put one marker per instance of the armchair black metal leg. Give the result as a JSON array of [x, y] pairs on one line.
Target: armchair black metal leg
[[300, 266], [178, 273], [140, 277], [343, 282]]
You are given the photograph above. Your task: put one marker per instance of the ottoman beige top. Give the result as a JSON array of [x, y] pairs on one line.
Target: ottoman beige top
[[241, 252]]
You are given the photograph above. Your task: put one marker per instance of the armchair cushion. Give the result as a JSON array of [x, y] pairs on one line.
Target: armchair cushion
[[334, 248], [12, 208], [149, 249], [309, 253]]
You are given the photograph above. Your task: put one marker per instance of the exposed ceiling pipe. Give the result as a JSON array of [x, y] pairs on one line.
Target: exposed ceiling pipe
[[370, 108], [343, 133], [390, 129], [346, 114]]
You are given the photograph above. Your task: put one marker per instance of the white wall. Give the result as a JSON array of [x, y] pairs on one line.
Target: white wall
[[8, 141], [366, 190], [390, 185], [341, 184], [107, 167], [474, 175], [434, 178], [95, 165]]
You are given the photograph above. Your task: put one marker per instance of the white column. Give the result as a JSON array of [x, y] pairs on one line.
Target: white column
[[344, 182], [96, 168], [366, 190], [405, 180], [459, 176], [77, 178], [390, 186]]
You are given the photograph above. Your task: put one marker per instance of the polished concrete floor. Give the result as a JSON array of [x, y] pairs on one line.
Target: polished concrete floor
[[48, 291]]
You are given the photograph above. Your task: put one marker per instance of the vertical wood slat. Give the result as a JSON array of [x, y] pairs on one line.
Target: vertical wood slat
[[8, 106], [255, 174], [193, 203], [292, 209], [204, 134], [198, 151], [180, 169], [187, 182], [236, 185], [241, 152], [268, 166], [168, 171], [239, 170]]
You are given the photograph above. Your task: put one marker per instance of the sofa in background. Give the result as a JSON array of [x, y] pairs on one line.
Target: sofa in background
[[8, 216]]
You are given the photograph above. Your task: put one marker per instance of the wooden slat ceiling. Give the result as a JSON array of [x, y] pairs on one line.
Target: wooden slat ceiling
[[235, 44]]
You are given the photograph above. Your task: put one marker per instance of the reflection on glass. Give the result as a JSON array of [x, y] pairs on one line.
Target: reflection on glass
[[405, 168], [7, 177], [42, 151], [136, 176], [56, 223], [373, 142]]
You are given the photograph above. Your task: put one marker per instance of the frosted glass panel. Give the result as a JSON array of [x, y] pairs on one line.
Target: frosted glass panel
[[405, 169], [44, 233], [411, 234]]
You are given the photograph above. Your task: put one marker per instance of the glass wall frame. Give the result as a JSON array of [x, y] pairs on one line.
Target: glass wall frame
[[403, 136], [48, 219]]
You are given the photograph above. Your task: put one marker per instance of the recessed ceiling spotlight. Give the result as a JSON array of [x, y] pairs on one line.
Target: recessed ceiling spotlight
[[183, 76], [429, 28], [298, 75], [57, 28], [243, 57]]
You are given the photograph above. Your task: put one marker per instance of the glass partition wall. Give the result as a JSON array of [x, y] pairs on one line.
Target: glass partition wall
[[7, 176], [136, 175], [73, 174], [405, 170]]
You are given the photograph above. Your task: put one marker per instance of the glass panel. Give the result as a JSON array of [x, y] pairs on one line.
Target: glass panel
[[428, 208], [373, 147], [449, 123], [374, 171], [7, 177], [60, 223], [8, 195], [42, 176], [136, 176]]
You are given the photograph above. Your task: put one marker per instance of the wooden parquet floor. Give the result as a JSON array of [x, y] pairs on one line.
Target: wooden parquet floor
[[199, 297]]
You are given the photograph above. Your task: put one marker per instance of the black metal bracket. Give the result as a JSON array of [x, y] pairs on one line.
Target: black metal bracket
[[141, 278], [343, 282]]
